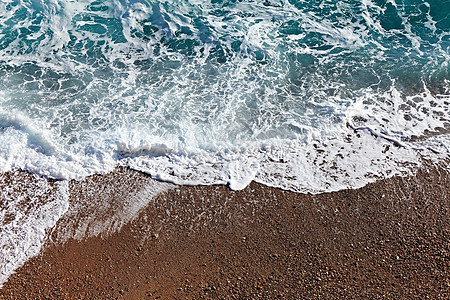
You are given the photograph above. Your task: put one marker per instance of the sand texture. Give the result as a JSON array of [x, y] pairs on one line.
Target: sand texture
[[389, 239]]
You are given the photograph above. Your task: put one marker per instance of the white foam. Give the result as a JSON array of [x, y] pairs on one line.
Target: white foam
[[191, 110], [31, 207]]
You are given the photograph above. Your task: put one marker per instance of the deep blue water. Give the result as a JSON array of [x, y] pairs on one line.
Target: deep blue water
[[87, 85]]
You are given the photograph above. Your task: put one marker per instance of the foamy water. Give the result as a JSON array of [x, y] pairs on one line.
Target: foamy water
[[309, 96]]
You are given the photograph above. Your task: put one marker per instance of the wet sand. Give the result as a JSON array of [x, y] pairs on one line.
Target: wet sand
[[389, 239]]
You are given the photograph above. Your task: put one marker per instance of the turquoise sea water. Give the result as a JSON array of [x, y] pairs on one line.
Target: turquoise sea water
[[88, 85], [310, 96]]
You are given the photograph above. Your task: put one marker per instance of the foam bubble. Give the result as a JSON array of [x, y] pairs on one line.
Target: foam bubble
[[31, 206], [96, 85]]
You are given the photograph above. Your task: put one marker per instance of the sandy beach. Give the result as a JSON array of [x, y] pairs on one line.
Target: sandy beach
[[185, 149], [389, 239]]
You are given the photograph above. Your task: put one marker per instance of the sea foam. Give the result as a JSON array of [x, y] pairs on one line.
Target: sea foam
[[168, 87]]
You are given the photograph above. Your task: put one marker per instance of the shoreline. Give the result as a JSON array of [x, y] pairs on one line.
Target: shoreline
[[389, 239]]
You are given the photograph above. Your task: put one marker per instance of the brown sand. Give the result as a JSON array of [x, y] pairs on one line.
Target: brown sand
[[388, 239]]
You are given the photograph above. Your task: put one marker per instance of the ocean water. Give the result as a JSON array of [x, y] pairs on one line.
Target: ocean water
[[309, 96]]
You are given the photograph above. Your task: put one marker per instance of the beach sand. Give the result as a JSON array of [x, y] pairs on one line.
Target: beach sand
[[389, 239]]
